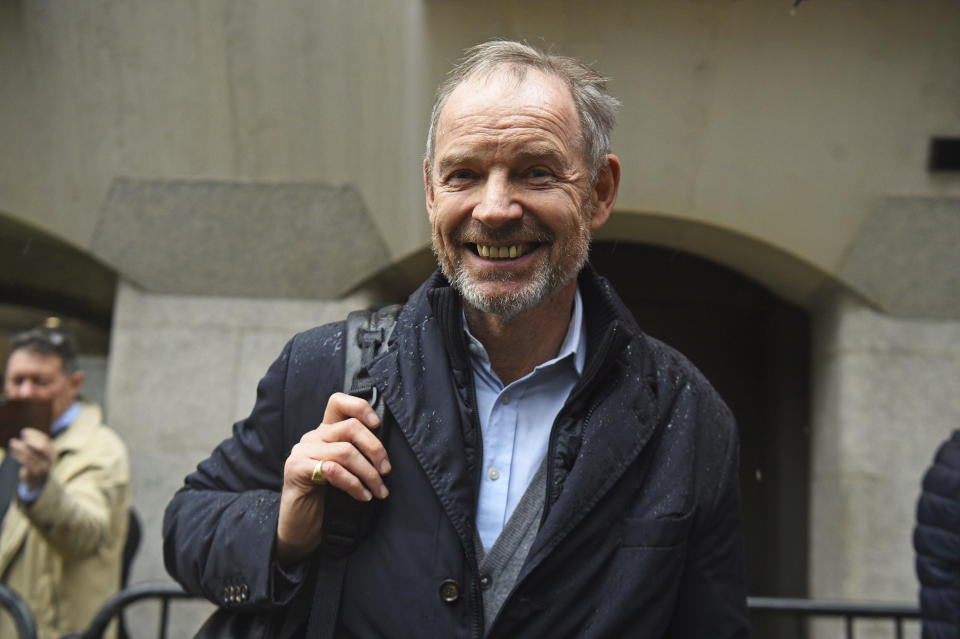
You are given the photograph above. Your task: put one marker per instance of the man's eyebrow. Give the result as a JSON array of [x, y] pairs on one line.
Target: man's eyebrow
[[533, 152], [453, 159], [541, 153]]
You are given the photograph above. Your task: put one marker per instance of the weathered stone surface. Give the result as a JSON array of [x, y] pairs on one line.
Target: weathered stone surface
[[905, 257], [238, 239]]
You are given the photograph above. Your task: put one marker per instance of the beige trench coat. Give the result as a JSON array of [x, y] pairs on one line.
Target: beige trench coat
[[63, 553]]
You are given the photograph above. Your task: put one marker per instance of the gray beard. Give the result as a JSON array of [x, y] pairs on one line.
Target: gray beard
[[546, 282]]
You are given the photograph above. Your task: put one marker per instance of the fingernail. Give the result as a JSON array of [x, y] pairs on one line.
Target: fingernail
[[367, 496], [372, 418], [383, 492], [384, 467]]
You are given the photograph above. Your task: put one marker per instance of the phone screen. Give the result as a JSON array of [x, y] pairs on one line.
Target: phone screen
[[17, 414]]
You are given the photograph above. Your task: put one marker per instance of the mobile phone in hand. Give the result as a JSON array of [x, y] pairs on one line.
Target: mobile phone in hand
[[17, 414]]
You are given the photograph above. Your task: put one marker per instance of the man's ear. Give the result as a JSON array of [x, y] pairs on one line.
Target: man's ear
[[605, 192], [428, 187], [75, 381]]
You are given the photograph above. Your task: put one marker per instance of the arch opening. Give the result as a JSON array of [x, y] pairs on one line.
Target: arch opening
[[43, 276]]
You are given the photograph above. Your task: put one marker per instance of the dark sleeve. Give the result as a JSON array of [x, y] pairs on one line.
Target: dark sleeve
[[219, 528], [712, 602], [936, 539]]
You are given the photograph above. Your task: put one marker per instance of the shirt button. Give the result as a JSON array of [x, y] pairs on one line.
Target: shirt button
[[449, 591], [505, 398], [474, 349], [493, 474], [485, 582]]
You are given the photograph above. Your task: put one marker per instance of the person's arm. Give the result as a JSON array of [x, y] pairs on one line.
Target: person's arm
[[74, 516], [712, 602], [221, 529]]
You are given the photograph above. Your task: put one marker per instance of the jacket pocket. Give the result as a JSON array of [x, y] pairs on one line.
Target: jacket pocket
[[663, 532]]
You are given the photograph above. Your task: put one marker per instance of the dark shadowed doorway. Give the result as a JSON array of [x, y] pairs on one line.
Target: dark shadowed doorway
[[754, 347]]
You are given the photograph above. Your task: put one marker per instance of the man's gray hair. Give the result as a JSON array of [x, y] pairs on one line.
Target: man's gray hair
[[595, 107]]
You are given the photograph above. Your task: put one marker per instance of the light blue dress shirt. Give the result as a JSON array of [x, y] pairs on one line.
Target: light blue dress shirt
[[516, 421], [59, 424]]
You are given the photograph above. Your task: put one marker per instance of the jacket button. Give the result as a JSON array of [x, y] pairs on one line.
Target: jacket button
[[485, 582], [449, 591]]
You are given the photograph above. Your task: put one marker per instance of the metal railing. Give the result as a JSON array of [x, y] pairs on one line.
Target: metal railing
[[164, 591], [19, 611], [801, 610], [804, 609]]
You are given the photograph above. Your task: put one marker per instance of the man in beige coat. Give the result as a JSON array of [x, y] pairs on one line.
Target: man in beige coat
[[63, 532]]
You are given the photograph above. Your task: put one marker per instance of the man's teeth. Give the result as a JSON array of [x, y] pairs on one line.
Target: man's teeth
[[502, 252]]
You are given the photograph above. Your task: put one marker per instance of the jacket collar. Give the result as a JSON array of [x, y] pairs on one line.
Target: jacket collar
[[444, 435]]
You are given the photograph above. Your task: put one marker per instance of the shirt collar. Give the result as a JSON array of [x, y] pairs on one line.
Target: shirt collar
[[576, 340], [68, 417], [574, 344]]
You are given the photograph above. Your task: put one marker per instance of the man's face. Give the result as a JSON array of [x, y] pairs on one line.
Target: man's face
[[37, 376], [509, 195]]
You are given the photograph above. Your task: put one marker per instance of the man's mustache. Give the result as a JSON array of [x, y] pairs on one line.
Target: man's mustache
[[520, 231]]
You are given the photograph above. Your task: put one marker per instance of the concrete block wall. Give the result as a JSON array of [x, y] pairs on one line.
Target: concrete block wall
[[885, 396]]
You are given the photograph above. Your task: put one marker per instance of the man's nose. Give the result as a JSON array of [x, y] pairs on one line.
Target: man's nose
[[23, 390], [497, 205]]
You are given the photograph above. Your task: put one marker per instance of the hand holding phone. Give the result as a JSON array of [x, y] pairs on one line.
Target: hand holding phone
[[17, 414]]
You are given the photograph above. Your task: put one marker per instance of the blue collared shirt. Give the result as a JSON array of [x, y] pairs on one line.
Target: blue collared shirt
[[516, 421], [59, 425]]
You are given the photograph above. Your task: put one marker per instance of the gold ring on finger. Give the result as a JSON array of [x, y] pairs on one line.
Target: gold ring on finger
[[317, 476]]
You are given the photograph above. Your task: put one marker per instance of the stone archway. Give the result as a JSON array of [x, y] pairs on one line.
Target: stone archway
[[40, 271]]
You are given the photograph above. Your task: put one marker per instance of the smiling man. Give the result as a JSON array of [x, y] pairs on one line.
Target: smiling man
[[551, 472]]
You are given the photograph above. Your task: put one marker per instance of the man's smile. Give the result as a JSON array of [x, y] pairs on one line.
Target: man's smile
[[511, 251]]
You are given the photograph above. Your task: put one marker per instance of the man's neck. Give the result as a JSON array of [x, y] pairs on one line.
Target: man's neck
[[517, 345]]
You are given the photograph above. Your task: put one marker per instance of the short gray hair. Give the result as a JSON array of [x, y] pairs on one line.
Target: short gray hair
[[596, 108]]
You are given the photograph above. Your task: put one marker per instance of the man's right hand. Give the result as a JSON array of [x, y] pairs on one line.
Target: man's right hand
[[353, 461]]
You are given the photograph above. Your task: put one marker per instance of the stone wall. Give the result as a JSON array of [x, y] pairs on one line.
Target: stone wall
[[884, 397]]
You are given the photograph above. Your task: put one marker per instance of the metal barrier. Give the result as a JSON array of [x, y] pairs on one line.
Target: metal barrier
[[162, 590], [19, 611], [800, 609], [803, 609]]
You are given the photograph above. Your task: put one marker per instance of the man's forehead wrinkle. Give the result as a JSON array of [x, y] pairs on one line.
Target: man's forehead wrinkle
[[537, 150], [496, 112], [535, 126], [542, 91]]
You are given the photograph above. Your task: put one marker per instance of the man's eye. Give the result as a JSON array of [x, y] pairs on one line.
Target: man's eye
[[460, 175], [539, 174]]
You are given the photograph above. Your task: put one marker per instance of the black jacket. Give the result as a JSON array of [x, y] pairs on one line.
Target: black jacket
[[641, 534], [937, 542]]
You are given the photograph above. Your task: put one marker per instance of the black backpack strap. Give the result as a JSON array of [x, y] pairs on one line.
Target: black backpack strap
[[345, 520]]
